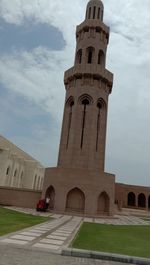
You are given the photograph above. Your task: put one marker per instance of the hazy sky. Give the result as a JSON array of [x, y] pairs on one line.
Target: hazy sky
[[37, 44]]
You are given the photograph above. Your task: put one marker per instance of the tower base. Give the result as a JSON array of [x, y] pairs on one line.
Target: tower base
[[79, 191]]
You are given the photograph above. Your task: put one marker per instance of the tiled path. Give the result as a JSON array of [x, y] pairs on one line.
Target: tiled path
[[52, 235]]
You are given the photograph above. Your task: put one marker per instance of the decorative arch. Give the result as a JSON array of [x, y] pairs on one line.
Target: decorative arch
[[50, 193], [75, 201], [69, 105], [89, 13], [141, 200], [99, 13], [103, 203], [101, 58], [79, 56], [131, 199], [70, 102], [90, 52], [101, 104], [85, 98]]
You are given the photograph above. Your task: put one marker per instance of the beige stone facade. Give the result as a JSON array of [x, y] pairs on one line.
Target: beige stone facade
[[79, 183], [18, 169]]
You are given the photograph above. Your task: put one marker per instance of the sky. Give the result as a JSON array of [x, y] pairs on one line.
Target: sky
[[37, 44]]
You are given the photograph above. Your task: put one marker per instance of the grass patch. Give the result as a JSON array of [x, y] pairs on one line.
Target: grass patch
[[11, 221], [127, 240]]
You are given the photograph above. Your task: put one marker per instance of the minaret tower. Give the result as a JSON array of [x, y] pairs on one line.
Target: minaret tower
[[79, 184], [88, 85]]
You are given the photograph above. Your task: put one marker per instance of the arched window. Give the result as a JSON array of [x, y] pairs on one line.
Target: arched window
[[35, 180], [141, 200], [7, 171], [102, 13], [131, 199], [75, 201], [89, 13], [85, 100], [94, 12], [100, 105], [69, 104], [79, 56], [98, 14], [90, 55], [101, 58]]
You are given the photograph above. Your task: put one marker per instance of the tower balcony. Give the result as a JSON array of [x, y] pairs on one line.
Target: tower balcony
[[92, 24], [93, 71]]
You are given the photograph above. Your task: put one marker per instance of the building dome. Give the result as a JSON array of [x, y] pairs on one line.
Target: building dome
[[95, 10]]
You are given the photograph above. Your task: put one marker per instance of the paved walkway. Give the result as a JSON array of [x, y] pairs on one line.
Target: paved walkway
[[58, 233], [14, 256], [34, 245], [52, 235]]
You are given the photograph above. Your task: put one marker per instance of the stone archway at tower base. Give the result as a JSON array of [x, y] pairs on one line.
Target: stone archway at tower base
[[81, 192]]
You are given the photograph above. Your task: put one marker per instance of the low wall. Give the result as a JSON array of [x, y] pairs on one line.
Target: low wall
[[19, 197]]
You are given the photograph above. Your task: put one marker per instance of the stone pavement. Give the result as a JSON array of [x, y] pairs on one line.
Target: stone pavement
[[11, 255], [52, 235], [36, 244]]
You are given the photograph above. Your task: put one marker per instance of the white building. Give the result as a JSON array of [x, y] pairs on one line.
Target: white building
[[18, 169]]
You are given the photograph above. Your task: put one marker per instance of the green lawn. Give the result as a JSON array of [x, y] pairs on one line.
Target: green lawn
[[11, 221], [128, 240]]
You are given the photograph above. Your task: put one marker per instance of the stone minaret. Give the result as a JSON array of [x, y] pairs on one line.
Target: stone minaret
[[79, 184], [88, 85]]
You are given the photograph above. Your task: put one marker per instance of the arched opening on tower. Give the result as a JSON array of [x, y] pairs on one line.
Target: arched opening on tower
[[141, 200], [94, 12], [90, 55], [103, 204], [99, 13], [50, 193], [85, 102], [79, 56], [69, 105], [101, 58], [100, 105], [75, 201], [89, 13], [131, 199]]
